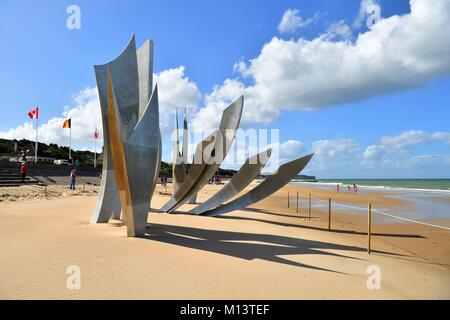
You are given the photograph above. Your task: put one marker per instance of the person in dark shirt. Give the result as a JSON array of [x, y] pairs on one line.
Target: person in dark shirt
[[73, 178]]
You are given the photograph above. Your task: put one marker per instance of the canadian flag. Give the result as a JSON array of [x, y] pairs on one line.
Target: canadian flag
[[34, 114]]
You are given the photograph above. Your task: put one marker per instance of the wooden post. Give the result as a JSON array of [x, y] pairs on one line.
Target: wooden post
[[84, 184], [329, 214], [309, 208], [288, 198], [296, 210], [369, 227], [45, 189]]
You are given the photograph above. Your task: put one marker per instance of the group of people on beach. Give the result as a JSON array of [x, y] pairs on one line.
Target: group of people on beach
[[73, 165], [350, 189]]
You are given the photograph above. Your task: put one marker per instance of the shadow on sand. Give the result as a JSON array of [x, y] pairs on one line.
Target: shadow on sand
[[247, 246], [285, 224]]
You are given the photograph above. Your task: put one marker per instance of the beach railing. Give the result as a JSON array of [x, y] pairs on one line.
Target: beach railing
[[329, 214], [309, 207], [369, 226], [369, 216], [289, 198]]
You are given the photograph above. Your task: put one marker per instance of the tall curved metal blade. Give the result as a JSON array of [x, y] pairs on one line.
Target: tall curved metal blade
[[246, 174], [118, 153], [142, 154], [135, 160], [229, 124], [108, 201], [145, 74], [198, 166], [273, 183]]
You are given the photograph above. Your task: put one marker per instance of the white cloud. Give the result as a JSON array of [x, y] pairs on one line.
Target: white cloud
[[394, 156], [175, 91], [208, 118], [399, 53], [395, 148], [339, 30], [291, 149], [84, 112], [333, 154], [291, 21]]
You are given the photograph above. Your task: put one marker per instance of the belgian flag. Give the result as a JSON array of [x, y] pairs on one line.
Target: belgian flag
[[67, 123]]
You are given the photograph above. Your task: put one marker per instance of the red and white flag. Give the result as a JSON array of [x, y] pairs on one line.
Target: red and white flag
[[96, 134], [34, 114]]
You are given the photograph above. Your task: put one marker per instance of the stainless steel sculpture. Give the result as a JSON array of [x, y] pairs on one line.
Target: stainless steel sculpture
[[125, 86], [202, 150], [133, 148], [273, 183], [206, 166], [108, 201], [135, 151], [249, 171]]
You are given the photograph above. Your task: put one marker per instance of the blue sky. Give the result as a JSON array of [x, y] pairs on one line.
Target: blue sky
[[317, 78]]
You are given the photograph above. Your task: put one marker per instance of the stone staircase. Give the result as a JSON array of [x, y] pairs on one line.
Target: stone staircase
[[9, 178]]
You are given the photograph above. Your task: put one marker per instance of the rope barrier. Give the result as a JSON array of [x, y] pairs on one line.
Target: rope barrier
[[388, 215]]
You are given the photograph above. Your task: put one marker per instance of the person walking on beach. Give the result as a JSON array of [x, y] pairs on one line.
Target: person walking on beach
[[73, 178], [355, 188], [337, 188], [23, 171]]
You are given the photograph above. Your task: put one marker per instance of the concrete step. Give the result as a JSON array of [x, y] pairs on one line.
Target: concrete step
[[10, 177], [9, 185]]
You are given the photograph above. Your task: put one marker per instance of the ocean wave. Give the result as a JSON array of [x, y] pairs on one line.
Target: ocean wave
[[377, 188]]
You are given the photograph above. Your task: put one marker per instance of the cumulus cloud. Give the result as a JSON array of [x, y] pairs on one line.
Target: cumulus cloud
[[393, 156], [395, 149], [335, 154], [175, 91], [208, 118], [339, 30], [398, 53], [292, 21], [84, 112]]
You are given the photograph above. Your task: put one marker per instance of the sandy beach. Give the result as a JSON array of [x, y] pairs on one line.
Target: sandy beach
[[267, 251]]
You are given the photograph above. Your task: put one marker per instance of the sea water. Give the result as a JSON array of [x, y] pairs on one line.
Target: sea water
[[424, 196]]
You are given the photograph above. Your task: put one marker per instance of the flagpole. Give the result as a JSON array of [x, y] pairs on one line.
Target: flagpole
[[95, 150], [70, 139], [36, 142]]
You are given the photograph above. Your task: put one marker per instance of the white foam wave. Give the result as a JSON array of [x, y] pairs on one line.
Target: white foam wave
[[377, 188]]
